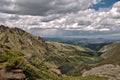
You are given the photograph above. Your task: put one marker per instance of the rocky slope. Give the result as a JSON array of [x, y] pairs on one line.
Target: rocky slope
[[17, 39]]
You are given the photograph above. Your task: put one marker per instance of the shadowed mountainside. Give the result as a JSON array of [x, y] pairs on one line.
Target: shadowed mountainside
[[111, 53]]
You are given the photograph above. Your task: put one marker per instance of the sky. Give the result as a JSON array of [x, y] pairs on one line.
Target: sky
[[63, 18]]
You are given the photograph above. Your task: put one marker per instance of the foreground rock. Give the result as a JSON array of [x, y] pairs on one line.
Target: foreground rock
[[16, 74], [112, 72]]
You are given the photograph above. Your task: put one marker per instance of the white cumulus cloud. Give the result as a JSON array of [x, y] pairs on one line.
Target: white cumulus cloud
[[60, 17]]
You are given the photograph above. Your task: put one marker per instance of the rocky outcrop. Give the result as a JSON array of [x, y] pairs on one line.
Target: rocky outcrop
[[15, 74], [112, 72]]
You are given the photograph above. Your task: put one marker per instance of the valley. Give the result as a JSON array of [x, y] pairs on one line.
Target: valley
[[27, 57]]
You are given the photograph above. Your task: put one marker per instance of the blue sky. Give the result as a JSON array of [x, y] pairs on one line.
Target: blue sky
[[104, 4]]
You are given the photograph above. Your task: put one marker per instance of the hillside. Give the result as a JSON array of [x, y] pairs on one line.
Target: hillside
[[17, 39], [23, 56], [24, 51]]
